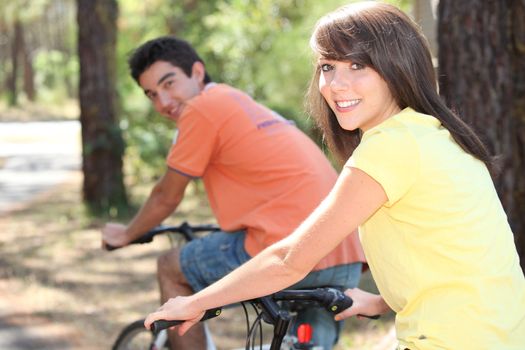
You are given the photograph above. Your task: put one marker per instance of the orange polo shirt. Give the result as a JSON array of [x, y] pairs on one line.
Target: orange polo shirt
[[260, 172]]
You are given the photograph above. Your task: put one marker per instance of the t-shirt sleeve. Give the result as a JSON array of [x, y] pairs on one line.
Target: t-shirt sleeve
[[389, 157], [194, 145]]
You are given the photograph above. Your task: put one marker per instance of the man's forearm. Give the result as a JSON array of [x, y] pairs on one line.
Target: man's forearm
[[151, 214]]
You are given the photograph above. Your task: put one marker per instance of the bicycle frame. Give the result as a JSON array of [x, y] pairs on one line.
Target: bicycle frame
[[162, 337], [331, 298]]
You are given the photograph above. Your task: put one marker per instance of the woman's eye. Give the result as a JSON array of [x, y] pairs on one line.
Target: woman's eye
[[326, 67], [357, 66]]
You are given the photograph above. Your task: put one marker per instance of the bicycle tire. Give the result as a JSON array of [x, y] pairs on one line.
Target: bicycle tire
[[135, 337]]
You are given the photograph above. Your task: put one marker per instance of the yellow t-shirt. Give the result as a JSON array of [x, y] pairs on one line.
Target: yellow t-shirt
[[440, 250]]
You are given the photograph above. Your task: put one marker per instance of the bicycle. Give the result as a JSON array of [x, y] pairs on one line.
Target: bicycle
[[278, 310]]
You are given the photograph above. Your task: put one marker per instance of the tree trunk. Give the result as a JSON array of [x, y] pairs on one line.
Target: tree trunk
[[482, 75], [102, 143], [16, 45], [29, 73]]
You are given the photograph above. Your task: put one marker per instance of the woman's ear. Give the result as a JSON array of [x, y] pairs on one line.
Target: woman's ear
[[198, 71]]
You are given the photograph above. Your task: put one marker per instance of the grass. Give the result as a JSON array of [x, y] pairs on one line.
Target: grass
[[32, 112]]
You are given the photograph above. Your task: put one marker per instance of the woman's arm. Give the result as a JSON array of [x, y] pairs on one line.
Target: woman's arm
[[354, 198]]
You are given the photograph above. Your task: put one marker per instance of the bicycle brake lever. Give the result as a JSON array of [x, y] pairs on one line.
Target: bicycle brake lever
[[159, 325]]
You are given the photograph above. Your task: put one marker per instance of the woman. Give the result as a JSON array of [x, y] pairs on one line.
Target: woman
[[416, 181]]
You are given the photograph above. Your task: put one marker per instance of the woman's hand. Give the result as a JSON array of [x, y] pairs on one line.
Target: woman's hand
[[365, 304], [178, 308]]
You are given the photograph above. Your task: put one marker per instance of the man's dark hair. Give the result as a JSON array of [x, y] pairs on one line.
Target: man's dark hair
[[170, 49]]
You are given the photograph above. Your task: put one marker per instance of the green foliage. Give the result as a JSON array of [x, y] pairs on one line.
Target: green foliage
[[56, 74], [259, 46], [50, 43], [148, 138]]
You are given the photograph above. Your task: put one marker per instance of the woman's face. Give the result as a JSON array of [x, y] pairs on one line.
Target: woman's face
[[359, 97]]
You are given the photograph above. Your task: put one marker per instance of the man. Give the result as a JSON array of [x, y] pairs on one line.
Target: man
[[262, 177]]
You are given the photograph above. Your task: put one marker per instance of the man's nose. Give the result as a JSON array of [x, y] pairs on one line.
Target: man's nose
[[164, 100]]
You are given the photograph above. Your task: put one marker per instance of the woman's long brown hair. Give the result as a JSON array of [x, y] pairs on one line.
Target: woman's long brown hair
[[384, 38]]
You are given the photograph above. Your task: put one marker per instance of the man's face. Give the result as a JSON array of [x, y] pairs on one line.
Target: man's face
[[169, 88]]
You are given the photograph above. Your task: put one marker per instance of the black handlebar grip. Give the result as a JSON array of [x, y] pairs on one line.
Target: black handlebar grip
[[147, 238], [211, 314], [374, 317], [109, 247], [340, 301], [159, 325]]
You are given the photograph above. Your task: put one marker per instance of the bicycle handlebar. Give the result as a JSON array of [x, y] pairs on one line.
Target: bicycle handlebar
[[185, 229], [331, 298], [159, 325]]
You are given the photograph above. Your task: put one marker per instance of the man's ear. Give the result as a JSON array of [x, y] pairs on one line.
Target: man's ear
[[198, 71]]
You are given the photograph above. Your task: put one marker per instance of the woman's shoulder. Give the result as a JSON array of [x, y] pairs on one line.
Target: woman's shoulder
[[406, 128], [407, 119]]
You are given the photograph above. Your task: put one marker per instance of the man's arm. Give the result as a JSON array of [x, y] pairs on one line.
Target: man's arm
[[162, 201]]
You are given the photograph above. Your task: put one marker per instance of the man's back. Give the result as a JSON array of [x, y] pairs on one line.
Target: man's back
[[259, 170]]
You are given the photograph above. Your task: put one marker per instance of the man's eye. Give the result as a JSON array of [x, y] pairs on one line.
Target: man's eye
[[326, 67], [168, 83]]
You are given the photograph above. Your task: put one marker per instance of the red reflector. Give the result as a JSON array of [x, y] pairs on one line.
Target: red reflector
[[304, 333]]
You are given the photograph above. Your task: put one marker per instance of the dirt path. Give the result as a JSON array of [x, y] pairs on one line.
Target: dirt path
[[66, 293], [21, 329], [60, 291], [34, 158]]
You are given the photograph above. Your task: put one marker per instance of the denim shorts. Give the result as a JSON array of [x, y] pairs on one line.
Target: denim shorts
[[206, 260]]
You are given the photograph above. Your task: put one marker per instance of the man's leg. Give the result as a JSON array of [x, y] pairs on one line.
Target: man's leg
[[325, 329], [172, 283], [198, 264]]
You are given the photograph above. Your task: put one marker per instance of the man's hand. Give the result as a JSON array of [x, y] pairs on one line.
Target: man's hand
[[115, 235]]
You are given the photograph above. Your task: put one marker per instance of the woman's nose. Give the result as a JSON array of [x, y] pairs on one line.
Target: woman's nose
[[339, 80]]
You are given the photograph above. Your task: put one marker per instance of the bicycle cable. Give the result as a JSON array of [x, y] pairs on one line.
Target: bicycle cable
[[250, 338], [246, 317], [260, 329]]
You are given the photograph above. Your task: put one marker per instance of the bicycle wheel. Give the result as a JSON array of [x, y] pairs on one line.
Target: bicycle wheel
[[136, 337]]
